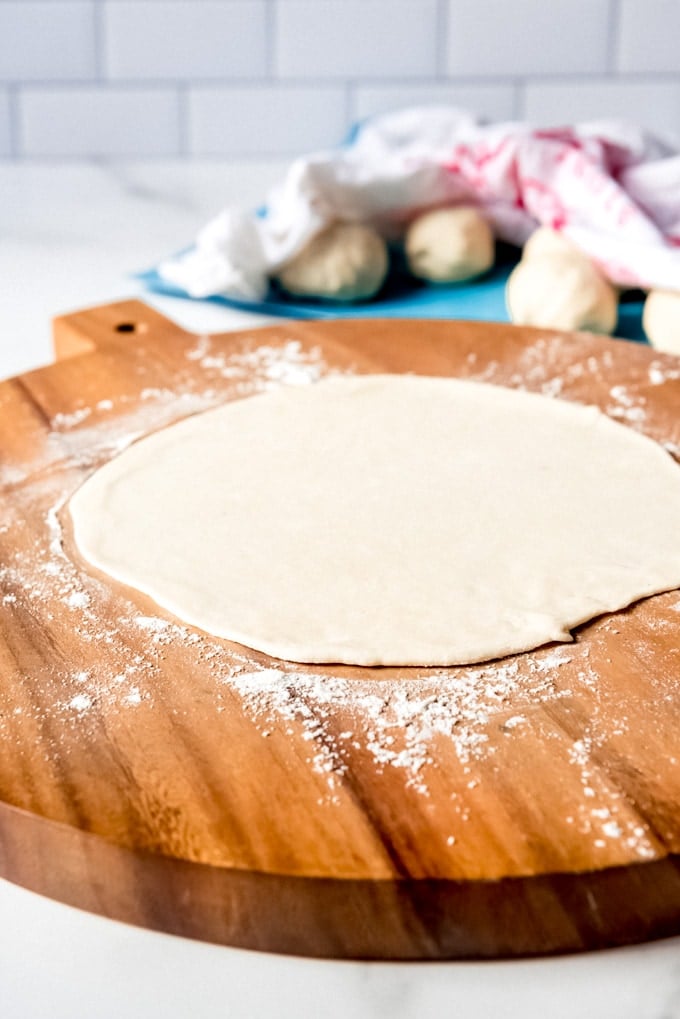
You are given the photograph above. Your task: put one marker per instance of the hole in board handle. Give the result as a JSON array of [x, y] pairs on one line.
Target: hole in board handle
[[126, 327]]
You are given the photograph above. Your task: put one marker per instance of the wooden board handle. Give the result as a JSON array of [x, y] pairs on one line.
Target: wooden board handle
[[109, 325]]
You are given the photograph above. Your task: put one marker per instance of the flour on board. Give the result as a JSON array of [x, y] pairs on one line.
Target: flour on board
[[397, 723]]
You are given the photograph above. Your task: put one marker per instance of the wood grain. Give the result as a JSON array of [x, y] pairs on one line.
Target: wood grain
[[156, 775]]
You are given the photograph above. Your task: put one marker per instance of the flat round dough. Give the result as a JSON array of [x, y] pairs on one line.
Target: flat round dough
[[388, 520]]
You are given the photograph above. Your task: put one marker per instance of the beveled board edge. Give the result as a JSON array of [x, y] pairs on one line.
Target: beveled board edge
[[550, 914]]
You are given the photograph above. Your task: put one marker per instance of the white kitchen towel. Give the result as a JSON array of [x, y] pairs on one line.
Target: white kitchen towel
[[611, 188]]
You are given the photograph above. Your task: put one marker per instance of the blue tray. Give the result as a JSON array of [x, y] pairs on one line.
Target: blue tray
[[404, 297]]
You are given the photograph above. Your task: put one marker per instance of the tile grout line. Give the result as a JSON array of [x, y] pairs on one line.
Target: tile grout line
[[613, 37], [14, 121], [519, 98], [99, 39], [183, 119], [442, 25], [339, 82], [270, 27]]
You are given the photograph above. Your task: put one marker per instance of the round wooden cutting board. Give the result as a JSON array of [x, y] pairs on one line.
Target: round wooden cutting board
[[155, 774]]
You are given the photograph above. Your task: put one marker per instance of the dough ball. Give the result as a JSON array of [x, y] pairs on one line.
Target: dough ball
[[447, 245], [545, 242], [561, 292], [661, 320], [346, 262]]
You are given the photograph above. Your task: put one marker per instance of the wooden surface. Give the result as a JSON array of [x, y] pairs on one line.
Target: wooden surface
[[154, 774]]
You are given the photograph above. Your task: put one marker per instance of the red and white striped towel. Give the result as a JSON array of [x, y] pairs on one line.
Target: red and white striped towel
[[611, 188]]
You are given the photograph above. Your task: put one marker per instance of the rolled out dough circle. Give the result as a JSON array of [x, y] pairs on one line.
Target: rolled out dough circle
[[388, 520]]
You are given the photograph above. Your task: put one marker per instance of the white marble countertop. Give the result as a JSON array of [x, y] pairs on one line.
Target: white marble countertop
[[70, 235]]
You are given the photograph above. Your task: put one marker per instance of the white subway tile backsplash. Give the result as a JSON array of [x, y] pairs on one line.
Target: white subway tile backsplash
[[5, 125], [524, 37], [265, 120], [278, 77], [46, 40], [356, 38], [169, 39], [83, 121], [649, 36], [495, 102], [652, 104]]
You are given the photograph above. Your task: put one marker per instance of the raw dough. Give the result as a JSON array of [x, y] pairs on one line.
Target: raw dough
[[449, 245], [346, 262], [547, 243], [388, 520], [661, 320], [561, 291]]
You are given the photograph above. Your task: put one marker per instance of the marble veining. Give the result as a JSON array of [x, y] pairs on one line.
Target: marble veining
[[72, 235]]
